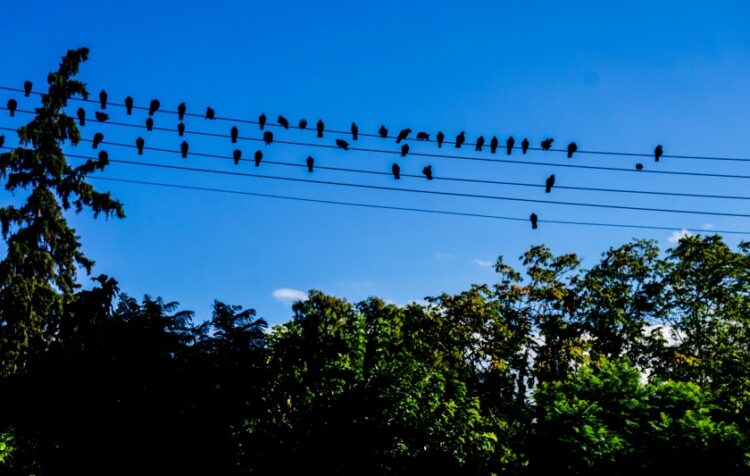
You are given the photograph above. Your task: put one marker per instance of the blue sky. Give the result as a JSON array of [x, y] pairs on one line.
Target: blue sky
[[608, 75]]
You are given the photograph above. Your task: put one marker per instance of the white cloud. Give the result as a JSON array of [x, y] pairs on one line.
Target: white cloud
[[707, 226], [678, 235], [484, 263], [287, 294], [443, 257]]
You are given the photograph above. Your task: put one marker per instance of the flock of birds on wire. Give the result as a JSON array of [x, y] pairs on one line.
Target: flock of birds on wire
[[154, 105]]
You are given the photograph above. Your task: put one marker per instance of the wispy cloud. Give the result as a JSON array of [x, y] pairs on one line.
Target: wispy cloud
[[678, 235], [484, 263], [288, 295], [707, 226], [443, 257]]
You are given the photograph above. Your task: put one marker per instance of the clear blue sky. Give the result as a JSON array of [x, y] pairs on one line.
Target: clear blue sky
[[609, 75]]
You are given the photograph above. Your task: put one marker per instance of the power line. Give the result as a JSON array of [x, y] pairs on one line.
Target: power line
[[364, 134]]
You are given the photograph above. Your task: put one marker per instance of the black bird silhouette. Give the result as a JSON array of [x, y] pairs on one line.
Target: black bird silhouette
[[98, 138], [129, 105], [440, 139], [283, 122], [639, 166], [81, 113], [103, 99], [103, 160], [310, 162], [234, 133], [403, 135], [258, 157], [460, 139], [355, 131], [262, 121], [101, 116], [524, 145], [153, 107], [139, 143], [423, 136], [303, 123], [12, 105], [493, 144], [427, 171], [237, 155], [210, 113], [509, 145], [181, 129], [27, 88], [549, 183], [479, 144], [396, 171], [320, 126], [404, 150], [572, 147], [658, 152], [533, 218], [268, 137], [383, 132], [2, 141], [184, 149], [547, 143], [149, 124], [181, 109], [342, 143]]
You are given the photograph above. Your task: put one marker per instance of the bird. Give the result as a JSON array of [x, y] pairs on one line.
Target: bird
[[524, 145], [509, 145], [149, 124], [427, 172], [2, 141], [303, 124], [81, 113], [139, 143], [533, 218], [320, 126], [658, 152], [98, 138], [262, 121], [310, 161], [547, 143], [423, 136], [153, 107], [103, 159], [342, 143], [383, 131], [549, 183], [184, 149], [283, 122], [258, 157], [103, 99], [479, 144], [440, 139], [101, 116], [396, 170], [493, 144], [237, 155], [572, 147], [268, 137], [181, 129], [355, 131], [234, 133], [404, 150], [181, 111], [403, 135], [27, 88], [210, 113], [460, 139], [129, 106], [639, 166], [12, 105]]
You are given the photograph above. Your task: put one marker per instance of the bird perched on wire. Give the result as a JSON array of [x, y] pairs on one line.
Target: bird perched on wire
[[342, 144], [262, 121], [101, 116], [493, 144], [549, 183], [310, 162], [103, 160], [402, 135], [2, 141], [210, 113], [268, 137], [404, 150], [480, 143], [460, 139], [12, 106], [509, 145], [181, 109], [181, 129], [27, 88], [355, 131], [302, 124], [149, 124], [81, 113], [103, 99], [283, 122], [547, 143], [639, 166], [524, 145], [396, 170], [423, 136], [427, 172], [440, 139], [320, 127], [258, 157], [234, 133], [383, 131], [153, 106], [129, 106], [236, 156], [98, 138], [184, 149], [572, 148], [139, 143], [533, 218], [658, 152]]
